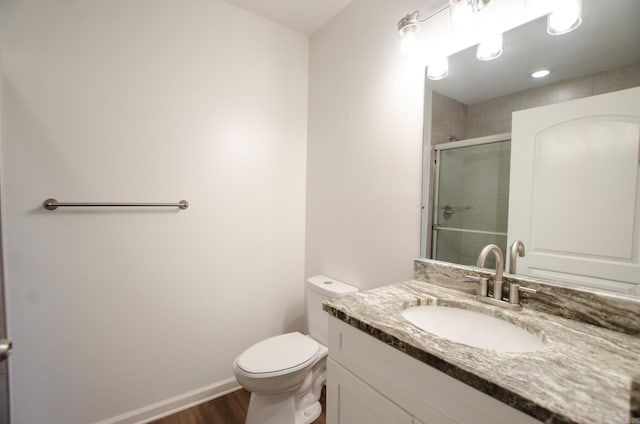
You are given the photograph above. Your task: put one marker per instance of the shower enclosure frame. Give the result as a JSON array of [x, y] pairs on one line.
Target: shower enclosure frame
[[437, 149]]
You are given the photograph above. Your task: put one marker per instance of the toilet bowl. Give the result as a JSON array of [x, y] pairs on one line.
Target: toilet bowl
[[285, 373]]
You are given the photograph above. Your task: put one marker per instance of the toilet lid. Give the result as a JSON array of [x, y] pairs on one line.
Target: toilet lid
[[285, 352]]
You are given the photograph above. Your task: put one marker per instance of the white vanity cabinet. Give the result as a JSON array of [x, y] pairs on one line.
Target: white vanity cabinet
[[370, 382], [358, 403]]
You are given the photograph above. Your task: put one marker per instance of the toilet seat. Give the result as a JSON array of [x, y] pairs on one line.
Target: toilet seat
[[278, 355]]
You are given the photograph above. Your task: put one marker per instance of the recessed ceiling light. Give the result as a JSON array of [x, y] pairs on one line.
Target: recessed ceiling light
[[540, 73]]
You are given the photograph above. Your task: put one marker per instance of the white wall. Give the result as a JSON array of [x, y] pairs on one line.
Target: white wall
[[146, 100], [364, 147]]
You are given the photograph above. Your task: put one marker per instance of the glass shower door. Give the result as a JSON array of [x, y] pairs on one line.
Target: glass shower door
[[471, 200]]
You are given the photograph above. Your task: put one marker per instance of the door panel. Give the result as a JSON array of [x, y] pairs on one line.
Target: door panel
[[575, 190], [570, 192]]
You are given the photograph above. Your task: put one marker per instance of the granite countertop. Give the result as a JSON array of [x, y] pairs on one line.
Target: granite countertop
[[583, 374]]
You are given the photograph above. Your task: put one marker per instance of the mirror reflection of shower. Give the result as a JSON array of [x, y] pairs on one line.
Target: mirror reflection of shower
[[471, 197], [447, 210]]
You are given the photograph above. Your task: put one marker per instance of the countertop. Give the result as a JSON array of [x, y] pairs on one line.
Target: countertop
[[584, 373]]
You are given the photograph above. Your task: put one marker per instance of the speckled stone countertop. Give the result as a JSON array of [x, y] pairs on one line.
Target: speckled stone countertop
[[604, 309], [584, 373]]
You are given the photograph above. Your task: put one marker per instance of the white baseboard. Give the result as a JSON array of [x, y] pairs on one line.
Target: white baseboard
[[172, 405]]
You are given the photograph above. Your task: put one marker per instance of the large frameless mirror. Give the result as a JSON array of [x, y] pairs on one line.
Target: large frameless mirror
[[477, 121]]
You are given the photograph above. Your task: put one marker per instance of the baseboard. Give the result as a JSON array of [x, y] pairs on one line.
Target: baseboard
[[175, 404]]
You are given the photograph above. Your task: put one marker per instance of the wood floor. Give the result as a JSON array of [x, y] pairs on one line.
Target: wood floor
[[229, 409]]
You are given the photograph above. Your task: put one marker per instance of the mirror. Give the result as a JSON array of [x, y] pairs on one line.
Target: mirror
[[468, 116]]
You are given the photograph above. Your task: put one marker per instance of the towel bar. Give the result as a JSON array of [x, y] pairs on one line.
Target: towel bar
[[53, 204]]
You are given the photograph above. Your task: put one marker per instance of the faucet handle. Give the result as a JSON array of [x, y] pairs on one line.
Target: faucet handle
[[483, 287], [514, 292], [483, 284], [527, 289]]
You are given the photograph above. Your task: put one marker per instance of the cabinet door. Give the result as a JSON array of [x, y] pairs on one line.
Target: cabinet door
[[351, 401], [574, 197]]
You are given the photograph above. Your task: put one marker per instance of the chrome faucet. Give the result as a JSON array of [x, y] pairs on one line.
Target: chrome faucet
[[516, 249], [497, 254], [513, 302]]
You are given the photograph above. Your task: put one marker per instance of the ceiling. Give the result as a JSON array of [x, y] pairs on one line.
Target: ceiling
[[305, 16]]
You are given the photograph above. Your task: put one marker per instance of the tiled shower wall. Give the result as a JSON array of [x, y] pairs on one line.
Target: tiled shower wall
[[450, 117], [494, 116]]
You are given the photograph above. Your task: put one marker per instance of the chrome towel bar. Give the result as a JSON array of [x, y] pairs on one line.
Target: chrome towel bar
[[53, 204]]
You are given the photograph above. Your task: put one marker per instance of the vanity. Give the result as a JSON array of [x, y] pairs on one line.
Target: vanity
[[384, 369]]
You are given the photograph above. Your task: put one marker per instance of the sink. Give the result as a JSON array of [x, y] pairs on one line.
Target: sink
[[472, 328]]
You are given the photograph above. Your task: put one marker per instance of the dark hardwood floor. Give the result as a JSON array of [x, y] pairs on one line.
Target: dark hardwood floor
[[229, 409]]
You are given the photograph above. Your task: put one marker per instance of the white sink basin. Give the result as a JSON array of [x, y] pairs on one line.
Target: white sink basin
[[472, 328]]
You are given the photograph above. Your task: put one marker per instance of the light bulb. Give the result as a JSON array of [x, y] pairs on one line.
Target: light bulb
[[539, 4], [566, 16], [409, 42], [438, 68], [461, 14], [408, 30], [490, 48]]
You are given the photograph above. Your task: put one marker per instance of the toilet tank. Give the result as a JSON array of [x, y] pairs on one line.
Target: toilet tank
[[318, 289]]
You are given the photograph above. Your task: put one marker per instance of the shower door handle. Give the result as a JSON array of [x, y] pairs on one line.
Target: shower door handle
[[5, 349]]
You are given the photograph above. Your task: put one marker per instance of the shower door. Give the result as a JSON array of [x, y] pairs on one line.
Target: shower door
[[471, 198]]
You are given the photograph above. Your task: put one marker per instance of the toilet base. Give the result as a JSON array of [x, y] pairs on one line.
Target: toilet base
[[280, 410], [309, 414], [300, 406], [287, 398]]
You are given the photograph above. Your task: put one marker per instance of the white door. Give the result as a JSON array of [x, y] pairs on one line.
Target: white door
[[575, 191]]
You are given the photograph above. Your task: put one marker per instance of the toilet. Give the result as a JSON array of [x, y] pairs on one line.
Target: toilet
[[285, 373]]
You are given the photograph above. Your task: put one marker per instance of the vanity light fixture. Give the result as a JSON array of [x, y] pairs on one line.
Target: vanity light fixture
[[565, 17], [462, 10], [540, 73], [490, 48], [538, 4], [408, 29], [438, 68]]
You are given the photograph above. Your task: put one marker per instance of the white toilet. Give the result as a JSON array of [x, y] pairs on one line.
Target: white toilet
[[285, 373]]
